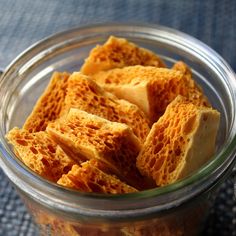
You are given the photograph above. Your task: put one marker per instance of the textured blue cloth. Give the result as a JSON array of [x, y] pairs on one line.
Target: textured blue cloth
[[23, 22]]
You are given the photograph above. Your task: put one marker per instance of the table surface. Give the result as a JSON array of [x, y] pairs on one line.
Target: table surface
[[24, 22]]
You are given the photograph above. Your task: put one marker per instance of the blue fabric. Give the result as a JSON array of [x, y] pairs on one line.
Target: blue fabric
[[23, 22]]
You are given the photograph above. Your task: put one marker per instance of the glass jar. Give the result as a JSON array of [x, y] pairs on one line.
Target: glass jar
[[176, 209]]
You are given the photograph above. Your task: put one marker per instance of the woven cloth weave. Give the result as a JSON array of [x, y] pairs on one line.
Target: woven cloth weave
[[23, 22]]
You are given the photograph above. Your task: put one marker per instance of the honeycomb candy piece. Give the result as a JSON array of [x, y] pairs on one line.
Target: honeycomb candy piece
[[85, 94], [118, 53], [180, 142], [82, 134], [150, 88], [40, 153], [89, 178], [49, 105]]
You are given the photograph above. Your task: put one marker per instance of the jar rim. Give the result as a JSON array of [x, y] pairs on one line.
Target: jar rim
[[209, 174]]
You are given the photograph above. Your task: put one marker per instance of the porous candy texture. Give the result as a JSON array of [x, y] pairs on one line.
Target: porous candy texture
[[40, 153], [85, 94], [152, 88], [49, 105], [118, 53], [89, 136], [88, 178], [180, 142]]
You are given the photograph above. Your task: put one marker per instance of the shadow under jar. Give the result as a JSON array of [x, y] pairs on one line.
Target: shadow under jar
[[176, 209]]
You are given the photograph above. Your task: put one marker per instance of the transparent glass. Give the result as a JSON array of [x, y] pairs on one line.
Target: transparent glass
[[176, 209]]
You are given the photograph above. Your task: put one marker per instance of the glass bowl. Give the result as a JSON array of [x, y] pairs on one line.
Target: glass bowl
[[176, 209]]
